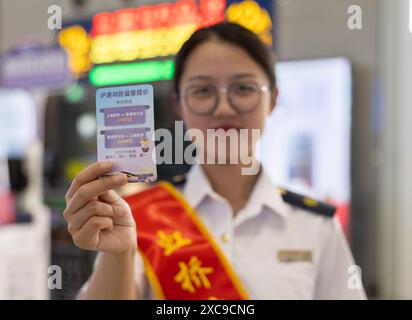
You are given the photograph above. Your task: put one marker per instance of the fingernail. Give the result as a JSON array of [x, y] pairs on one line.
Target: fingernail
[[120, 177]]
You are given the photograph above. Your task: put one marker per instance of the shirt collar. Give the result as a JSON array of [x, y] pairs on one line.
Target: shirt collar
[[264, 194], [197, 186]]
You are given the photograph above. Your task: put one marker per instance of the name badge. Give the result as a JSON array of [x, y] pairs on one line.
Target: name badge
[[295, 255]]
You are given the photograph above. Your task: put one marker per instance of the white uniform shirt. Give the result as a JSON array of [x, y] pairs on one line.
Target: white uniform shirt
[[254, 238]]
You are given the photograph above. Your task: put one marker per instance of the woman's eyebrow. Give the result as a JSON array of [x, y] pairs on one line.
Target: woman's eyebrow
[[236, 76], [243, 75], [196, 78]]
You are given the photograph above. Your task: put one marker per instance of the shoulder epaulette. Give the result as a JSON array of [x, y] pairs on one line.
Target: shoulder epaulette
[[307, 203]]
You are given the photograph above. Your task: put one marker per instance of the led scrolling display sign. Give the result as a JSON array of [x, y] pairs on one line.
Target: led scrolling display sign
[[148, 32]]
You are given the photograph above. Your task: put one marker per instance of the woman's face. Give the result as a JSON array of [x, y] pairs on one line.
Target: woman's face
[[219, 64]]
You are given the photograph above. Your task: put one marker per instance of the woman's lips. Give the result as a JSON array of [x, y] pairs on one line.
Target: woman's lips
[[226, 127]]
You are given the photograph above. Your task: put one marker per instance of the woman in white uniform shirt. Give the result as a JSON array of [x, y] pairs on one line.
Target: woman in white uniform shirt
[[279, 244]]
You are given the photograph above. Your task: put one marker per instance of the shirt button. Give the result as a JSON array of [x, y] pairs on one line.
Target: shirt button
[[225, 237]]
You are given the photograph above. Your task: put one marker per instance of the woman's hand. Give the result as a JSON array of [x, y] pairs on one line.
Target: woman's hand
[[98, 218]]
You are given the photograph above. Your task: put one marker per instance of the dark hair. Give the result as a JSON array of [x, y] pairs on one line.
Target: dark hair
[[233, 34]]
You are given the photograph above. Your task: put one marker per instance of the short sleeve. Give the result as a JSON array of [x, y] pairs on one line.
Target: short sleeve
[[338, 276]]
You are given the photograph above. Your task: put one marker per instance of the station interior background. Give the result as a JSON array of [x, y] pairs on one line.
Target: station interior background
[[47, 134]]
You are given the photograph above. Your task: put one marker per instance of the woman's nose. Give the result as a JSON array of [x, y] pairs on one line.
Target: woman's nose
[[223, 106]]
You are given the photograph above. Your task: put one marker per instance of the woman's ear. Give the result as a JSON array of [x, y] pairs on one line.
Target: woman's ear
[[273, 98]]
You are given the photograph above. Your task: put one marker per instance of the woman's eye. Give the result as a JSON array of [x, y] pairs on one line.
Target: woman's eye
[[202, 91], [244, 89]]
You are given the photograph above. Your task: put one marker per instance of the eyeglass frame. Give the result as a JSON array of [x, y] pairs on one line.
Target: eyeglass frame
[[219, 91]]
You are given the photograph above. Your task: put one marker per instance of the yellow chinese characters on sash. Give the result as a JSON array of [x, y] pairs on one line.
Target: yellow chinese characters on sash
[[181, 258]]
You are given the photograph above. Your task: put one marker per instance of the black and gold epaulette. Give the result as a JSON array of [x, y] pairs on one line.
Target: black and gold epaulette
[[178, 180], [307, 203]]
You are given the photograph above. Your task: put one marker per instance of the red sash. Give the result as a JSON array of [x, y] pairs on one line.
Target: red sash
[[182, 260]]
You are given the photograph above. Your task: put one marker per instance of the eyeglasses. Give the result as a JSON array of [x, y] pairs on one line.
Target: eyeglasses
[[243, 97]]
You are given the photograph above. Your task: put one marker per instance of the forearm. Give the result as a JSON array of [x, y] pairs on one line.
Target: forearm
[[113, 278]]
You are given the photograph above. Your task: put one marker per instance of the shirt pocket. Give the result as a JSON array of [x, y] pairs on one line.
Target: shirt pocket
[[285, 280], [297, 278]]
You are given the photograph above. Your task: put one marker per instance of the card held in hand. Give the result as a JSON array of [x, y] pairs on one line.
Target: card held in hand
[[125, 131]]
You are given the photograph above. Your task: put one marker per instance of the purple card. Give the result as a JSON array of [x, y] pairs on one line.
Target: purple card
[[125, 130]]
